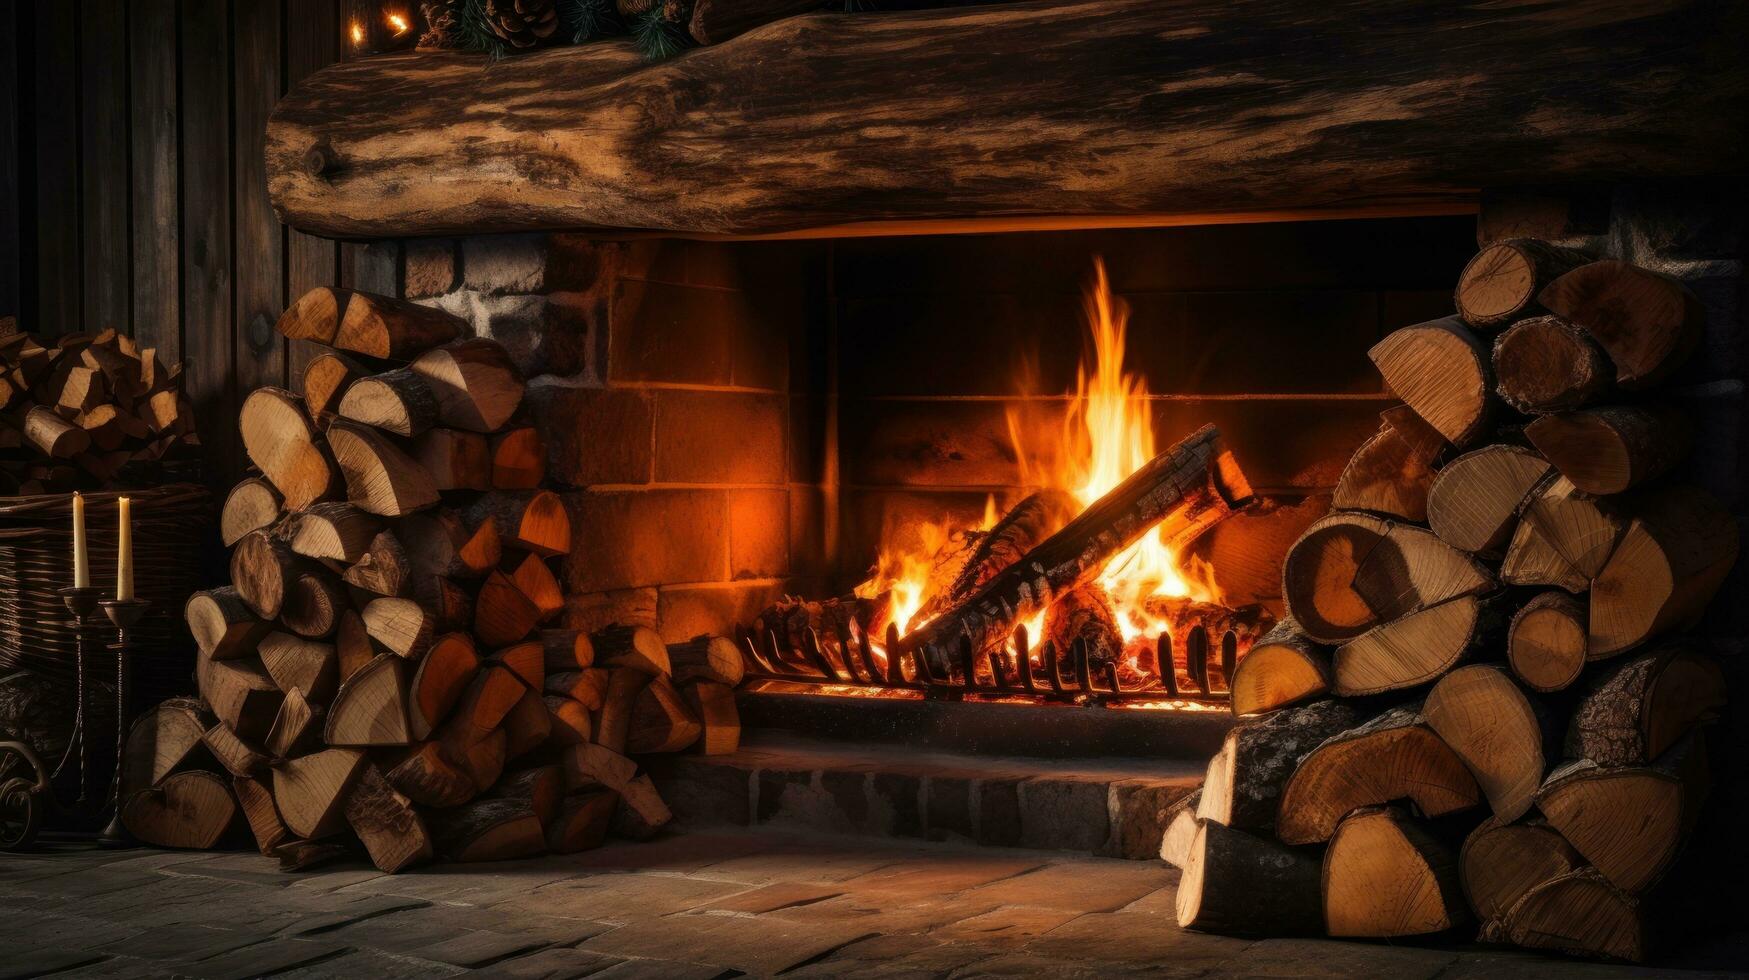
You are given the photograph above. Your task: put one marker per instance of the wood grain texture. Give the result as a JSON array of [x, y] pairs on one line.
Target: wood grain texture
[[103, 171], [206, 227], [312, 41], [56, 138], [259, 242], [1119, 107], [154, 169]]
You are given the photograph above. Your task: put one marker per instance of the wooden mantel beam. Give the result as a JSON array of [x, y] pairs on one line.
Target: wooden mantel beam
[[1099, 108]]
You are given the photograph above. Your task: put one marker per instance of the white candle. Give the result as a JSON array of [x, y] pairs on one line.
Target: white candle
[[124, 561], [81, 563]]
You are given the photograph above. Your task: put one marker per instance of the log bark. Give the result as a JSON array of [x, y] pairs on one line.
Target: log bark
[[1504, 737], [1672, 558], [1545, 645], [279, 439], [1647, 323], [1020, 530], [1184, 490], [1582, 914], [1474, 502], [1085, 615], [1443, 372], [1245, 778], [1386, 876], [1392, 757], [399, 402], [567, 650], [488, 830], [428, 777], [1284, 667], [714, 706], [1637, 709], [661, 721], [587, 687], [1181, 825], [743, 151], [1546, 364], [382, 327], [1239, 884], [581, 823], [1609, 450], [477, 387], [706, 658], [1502, 282], [1392, 472], [455, 459], [447, 543], [386, 821]]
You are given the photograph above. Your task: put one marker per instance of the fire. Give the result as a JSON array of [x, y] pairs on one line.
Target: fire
[[1106, 435]]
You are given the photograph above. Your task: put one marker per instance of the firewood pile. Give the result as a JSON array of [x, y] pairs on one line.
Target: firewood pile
[[78, 410], [383, 669], [1479, 712]]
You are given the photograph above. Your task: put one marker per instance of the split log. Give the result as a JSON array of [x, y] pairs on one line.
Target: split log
[[54, 435], [1475, 500], [1386, 876], [1612, 449], [1027, 525], [382, 568], [1673, 556], [236, 756], [1391, 472], [1546, 364], [477, 386], [1579, 913], [332, 530], [295, 728], [352, 644], [241, 694], [398, 402], [594, 767], [1245, 778], [587, 687], [1563, 538], [542, 786], [262, 570], [643, 814], [1243, 885], [491, 694], [1639, 708], [502, 614], [396, 329], [660, 720], [251, 504], [569, 722], [279, 440], [1349, 572], [326, 379], [533, 520], [581, 823], [401, 625], [315, 316], [482, 759], [1284, 667], [310, 666], [1419, 648], [526, 661], [371, 707], [519, 459], [566, 650], [313, 603], [428, 777], [1085, 615], [1502, 282], [311, 791], [168, 737], [527, 727], [1181, 826], [637, 647], [302, 855], [256, 802], [1589, 805], [1500, 863], [443, 674], [613, 722], [1443, 372], [454, 459], [1179, 494], [1392, 757], [706, 658], [380, 476], [714, 706], [1498, 732], [1545, 644], [387, 823], [1647, 323], [444, 542], [222, 624], [190, 810], [488, 830], [534, 579]]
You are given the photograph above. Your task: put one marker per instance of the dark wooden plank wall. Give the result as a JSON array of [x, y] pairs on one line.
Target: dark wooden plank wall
[[132, 189]]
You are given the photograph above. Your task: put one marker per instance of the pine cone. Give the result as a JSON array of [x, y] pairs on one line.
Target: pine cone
[[523, 23], [443, 23]]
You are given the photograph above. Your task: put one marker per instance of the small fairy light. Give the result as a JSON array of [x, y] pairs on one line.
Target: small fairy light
[[397, 22], [356, 32]]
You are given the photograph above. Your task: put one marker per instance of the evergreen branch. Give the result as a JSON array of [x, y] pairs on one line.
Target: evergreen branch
[[657, 38], [589, 20]]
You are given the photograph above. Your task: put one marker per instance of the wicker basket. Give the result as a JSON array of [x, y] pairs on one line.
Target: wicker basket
[[171, 526]]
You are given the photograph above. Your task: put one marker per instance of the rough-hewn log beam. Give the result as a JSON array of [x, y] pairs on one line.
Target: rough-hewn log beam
[[1108, 107]]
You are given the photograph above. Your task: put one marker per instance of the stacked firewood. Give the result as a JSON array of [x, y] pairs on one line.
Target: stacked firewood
[[75, 411], [1479, 709], [382, 668]]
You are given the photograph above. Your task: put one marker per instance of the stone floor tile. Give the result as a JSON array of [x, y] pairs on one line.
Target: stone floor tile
[[554, 930], [662, 970], [553, 964], [1162, 901], [45, 960], [369, 963], [73, 931], [1077, 886], [770, 898], [1502, 964], [187, 944], [727, 941], [476, 948], [1025, 965], [324, 914], [261, 959], [891, 958], [887, 912], [1135, 937], [331, 878], [679, 853], [113, 968], [804, 858], [617, 897], [476, 884], [945, 873], [1321, 959], [1010, 924], [250, 868]]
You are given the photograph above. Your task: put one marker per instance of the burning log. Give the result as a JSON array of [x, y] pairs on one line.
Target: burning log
[[1019, 531], [1187, 489], [1085, 615]]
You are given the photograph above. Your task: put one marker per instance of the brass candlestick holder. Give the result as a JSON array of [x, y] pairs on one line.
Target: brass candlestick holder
[[82, 602], [123, 614]]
